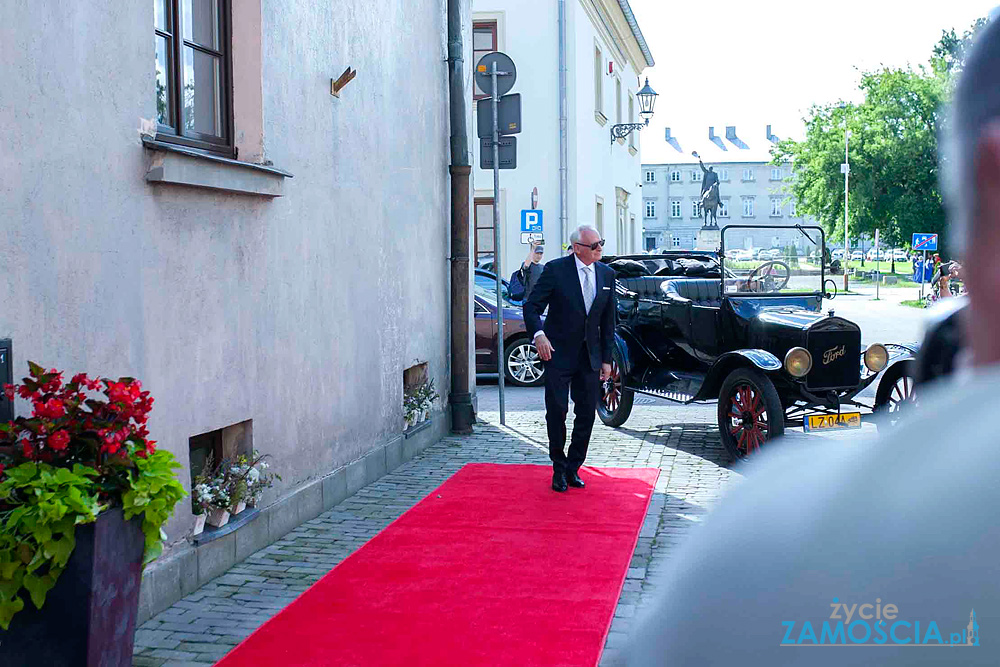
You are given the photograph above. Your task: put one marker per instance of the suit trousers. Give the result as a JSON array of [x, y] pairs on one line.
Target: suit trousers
[[583, 383]]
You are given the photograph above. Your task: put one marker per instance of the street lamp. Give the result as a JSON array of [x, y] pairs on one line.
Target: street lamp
[[647, 99], [846, 170]]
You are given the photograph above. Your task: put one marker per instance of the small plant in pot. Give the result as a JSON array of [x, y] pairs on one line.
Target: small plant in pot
[[200, 503], [411, 409], [80, 469], [259, 478], [427, 395]]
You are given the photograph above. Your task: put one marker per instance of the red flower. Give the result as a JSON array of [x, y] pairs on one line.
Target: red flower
[[29, 451], [59, 440], [52, 408], [24, 392], [10, 391], [1, 469]]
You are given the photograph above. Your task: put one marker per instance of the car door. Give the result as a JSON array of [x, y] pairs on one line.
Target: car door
[[486, 337]]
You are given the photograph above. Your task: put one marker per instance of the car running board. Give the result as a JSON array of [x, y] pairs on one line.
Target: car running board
[[671, 385]]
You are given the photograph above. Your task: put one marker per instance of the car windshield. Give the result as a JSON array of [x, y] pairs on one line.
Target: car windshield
[[773, 259], [486, 289]]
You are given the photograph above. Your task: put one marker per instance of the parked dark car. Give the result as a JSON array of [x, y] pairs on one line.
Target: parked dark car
[[693, 327], [522, 365]]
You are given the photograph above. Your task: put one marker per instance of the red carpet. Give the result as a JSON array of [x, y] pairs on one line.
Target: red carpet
[[491, 568]]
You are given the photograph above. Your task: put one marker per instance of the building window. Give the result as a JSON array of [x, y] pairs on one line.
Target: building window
[[484, 40], [695, 175], [618, 101], [748, 207], [484, 234], [631, 119], [775, 207], [791, 209], [675, 208], [748, 174], [650, 243], [677, 242], [724, 208], [650, 209], [598, 81], [724, 175], [193, 74], [599, 216], [695, 208], [650, 177], [675, 176], [775, 173]]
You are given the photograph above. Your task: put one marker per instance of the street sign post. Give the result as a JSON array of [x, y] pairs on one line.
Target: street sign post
[[509, 122], [495, 74], [924, 242]]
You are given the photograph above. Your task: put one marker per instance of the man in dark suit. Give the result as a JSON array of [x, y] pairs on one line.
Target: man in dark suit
[[575, 346]]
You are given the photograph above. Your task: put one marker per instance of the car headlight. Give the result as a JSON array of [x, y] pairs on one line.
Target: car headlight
[[876, 358], [798, 362]]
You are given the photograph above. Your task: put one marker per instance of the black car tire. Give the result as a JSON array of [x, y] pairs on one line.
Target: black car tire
[[522, 365], [895, 392], [751, 387], [615, 402]]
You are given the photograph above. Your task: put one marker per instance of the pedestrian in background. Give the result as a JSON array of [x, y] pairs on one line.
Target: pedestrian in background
[[816, 538], [524, 278], [575, 346]]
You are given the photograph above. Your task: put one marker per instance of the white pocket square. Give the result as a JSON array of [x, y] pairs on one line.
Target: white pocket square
[[605, 288]]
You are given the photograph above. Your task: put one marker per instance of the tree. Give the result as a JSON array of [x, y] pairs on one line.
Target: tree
[[893, 150]]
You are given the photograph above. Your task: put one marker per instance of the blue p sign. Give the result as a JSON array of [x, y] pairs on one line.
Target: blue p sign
[[531, 220]]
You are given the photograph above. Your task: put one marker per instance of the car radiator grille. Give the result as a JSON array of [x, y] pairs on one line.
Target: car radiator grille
[[836, 359]]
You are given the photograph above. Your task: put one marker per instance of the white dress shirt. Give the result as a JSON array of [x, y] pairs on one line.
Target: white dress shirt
[[580, 266]]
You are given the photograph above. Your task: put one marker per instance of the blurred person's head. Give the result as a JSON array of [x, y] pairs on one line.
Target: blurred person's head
[[972, 189]]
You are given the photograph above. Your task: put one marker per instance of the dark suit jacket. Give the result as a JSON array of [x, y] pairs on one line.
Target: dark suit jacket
[[567, 325]]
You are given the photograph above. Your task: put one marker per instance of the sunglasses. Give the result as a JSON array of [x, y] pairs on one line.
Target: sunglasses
[[595, 245]]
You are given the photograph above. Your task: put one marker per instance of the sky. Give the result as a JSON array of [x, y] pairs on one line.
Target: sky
[[759, 62]]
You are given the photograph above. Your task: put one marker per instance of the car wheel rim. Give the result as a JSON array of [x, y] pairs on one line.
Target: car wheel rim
[[900, 396], [524, 363], [748, 425], [613, 388]]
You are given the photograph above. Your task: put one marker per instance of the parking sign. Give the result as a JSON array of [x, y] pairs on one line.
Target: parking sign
[[924, 242], [531, 220]]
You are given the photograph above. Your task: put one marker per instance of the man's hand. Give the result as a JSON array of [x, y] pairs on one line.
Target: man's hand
[[544, 348], [605, 372]]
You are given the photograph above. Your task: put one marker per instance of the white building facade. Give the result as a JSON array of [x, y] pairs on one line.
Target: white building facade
[[605, 55], [753, 192]]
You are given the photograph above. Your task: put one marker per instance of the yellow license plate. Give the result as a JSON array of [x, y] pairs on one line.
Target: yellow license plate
[[833, 422]]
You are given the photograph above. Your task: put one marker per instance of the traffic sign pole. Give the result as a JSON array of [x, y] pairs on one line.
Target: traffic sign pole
[[496, 238]]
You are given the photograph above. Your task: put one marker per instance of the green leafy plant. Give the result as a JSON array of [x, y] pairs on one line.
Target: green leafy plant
[[76, 456]]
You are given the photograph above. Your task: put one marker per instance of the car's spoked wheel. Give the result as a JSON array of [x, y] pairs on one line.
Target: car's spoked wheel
[[615, 404], [895, 393], [750, 412], [524, 366]]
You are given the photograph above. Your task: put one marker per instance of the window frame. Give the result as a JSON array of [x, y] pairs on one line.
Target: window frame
[[176, 43], [675, 241], [476, 227], [776, 205], [492, 24], [695, 206], [650, 208], [749, 174], [599, 80], [792, 213], [650, 176], [724, 175], [750, 201], [777, 174], [675, 176], [724, 207]]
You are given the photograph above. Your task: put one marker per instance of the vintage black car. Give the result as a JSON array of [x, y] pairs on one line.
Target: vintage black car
[[696, 326]]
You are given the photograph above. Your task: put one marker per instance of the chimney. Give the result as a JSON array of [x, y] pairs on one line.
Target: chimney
[[731, 132], [770, 137], [711, 134], [667, 136]]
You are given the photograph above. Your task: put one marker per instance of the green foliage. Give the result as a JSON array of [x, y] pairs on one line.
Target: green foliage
[[893, 153], [153, 492], [43, 507]]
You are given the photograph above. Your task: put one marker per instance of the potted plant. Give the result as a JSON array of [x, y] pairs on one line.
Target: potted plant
[[258, 479], [200, 497], [84, 494], [220, 500], [410, 409], [428, 396], [236, 475]]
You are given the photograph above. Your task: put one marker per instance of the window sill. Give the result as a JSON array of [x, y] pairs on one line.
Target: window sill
[[235, 523], [178, 165], [417, 428], [601, 119]]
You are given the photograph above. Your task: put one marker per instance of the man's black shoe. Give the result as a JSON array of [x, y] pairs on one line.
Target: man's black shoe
[[558, 481], [574, 480]]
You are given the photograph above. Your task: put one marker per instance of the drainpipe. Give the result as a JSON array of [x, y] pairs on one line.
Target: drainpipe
[[460, 398], [563, 144]]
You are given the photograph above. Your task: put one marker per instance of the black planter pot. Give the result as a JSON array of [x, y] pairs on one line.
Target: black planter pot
[[88, 619]]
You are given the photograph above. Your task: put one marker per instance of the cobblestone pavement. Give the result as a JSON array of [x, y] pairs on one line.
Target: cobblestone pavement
[[681, 441]]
